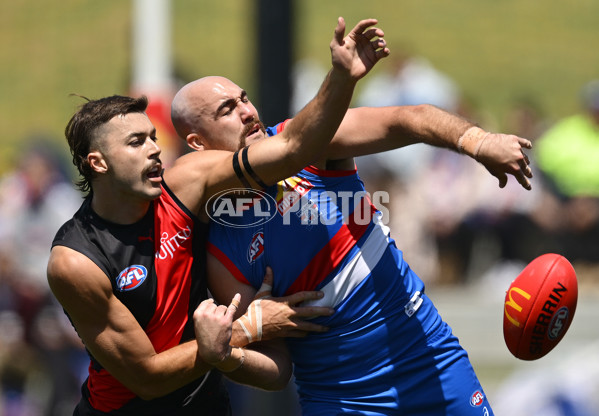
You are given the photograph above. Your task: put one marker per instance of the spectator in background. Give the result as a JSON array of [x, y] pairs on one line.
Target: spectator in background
[[489, 234], [568, 152], [568, 156], [35, 199], [18, 368], [413, 80]]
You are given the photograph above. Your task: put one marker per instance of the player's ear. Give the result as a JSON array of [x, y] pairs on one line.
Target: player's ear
[[97, 162], [195, 141]]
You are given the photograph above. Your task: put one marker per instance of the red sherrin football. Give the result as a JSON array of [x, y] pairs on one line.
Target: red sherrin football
[[539, 306]]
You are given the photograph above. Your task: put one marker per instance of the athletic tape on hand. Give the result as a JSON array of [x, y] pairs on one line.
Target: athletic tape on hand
[[471, 141], [251, 321]]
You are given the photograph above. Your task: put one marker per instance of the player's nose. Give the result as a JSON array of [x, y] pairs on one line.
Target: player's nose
[[246, 113], [155, 149]]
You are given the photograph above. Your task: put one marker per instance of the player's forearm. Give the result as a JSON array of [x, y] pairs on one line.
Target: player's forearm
[[166, 372], [269, 369], [181, 365], [266, 365], [434, 126], [314, 126], [368, 130]]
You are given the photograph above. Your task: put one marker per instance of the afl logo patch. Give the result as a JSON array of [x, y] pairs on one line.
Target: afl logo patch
[[256, 247], [477, 398], [131, 277]]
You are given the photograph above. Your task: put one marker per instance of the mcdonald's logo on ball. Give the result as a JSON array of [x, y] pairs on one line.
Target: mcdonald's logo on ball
[[539, 306]]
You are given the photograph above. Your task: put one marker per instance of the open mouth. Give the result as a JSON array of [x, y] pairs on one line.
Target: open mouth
[[155, 172], [255, 129]]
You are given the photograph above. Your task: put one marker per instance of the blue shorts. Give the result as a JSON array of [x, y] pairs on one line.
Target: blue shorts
[[431, 377]]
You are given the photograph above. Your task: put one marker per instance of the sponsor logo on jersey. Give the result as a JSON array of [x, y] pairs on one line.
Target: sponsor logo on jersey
[[131, 277], [477, 398], [256, 247], [290, 191], [229, 207], [169, 245], [558, 323]]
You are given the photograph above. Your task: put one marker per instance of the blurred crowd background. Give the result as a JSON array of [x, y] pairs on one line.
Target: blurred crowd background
[[463, 235]]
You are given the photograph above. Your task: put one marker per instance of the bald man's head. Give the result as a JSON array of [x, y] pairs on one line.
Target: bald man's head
[[187, 106], [215, 113]]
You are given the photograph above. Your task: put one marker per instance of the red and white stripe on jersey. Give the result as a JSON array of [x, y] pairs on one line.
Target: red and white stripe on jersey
[[333, 253], [357, 269]]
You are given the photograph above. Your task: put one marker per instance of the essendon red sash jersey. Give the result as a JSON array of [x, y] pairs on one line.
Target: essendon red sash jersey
[[153, 272]]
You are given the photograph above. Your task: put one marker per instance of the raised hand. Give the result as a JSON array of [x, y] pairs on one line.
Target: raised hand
[[360, 50]]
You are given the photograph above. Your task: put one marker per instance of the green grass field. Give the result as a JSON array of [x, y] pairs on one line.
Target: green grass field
[[496, 51]]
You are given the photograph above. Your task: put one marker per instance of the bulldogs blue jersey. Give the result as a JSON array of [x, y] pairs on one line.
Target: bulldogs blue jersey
[[387, 351]]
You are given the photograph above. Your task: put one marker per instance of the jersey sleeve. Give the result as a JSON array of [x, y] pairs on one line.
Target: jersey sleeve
[[277, 128]]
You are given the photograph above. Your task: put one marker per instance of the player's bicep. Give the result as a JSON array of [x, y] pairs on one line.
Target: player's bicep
[[106, 327], [368, 130], [223, 285]]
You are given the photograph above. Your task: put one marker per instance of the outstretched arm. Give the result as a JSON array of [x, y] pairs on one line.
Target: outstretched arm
[[352, 58], [199, 175], [367, 130]]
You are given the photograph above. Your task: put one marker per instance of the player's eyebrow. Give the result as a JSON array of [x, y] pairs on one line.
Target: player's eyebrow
[[140, 134], [231, 101]]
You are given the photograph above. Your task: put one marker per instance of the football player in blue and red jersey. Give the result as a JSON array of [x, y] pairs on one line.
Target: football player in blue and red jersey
[[388, 352]]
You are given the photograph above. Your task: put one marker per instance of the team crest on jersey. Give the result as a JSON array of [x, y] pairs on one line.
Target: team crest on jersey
[[256, 247], [477, 398], [131, 277], [290, 191]]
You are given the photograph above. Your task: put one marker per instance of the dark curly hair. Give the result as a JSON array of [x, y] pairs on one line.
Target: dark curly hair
[[80, 130]]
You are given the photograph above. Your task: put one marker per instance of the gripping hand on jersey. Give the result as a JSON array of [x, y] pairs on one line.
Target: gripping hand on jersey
[[268, 318]]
